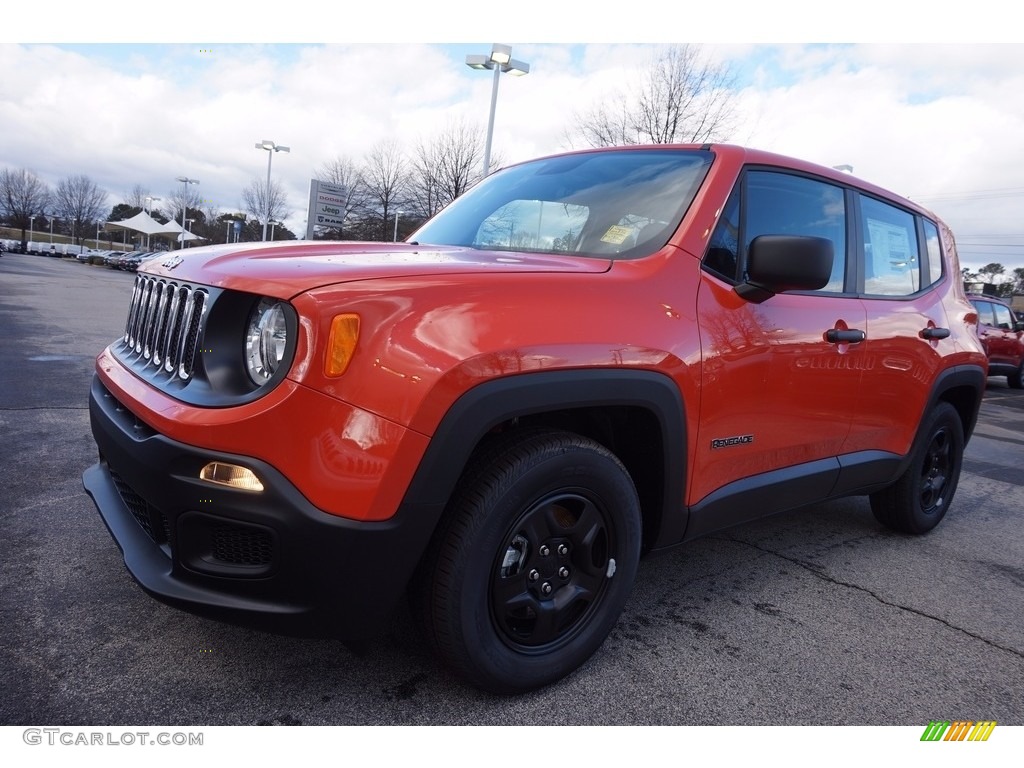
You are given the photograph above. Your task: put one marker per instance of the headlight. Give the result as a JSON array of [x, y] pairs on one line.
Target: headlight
[[266, 337]]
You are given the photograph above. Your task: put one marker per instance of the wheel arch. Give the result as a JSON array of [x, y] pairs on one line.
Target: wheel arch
[[636, 414], [963, 387]]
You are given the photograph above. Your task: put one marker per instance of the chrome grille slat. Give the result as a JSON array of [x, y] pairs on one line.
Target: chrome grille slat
[[133, 311], [140, 323], [164, 326], [152, 303], [190, 337], [172, 322], [161, 322]]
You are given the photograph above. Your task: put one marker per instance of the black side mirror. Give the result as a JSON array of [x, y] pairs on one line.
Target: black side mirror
[[777, 263]]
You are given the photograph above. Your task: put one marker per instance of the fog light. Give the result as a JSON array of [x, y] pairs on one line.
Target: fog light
[[231, 475]]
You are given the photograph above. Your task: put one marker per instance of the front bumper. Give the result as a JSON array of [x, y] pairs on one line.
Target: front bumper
[[269, 559]]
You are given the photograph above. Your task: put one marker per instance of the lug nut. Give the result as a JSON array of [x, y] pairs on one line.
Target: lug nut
[[563, 550], [563, 572], [546, 588], [534, 575], [544, 550]]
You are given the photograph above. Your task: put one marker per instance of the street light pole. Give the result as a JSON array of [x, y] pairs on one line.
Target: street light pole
[[185, 181], [271, 148], [51, 230], [149, 212], [500, 61], [31, 228], [397, 214]]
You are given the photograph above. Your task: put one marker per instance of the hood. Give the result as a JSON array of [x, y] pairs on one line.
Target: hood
[[283, 270]]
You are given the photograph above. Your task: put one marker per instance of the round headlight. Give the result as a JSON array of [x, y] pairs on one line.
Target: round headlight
[[266, 337]]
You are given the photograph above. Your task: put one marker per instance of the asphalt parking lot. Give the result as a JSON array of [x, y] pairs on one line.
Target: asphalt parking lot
[[813, 617]]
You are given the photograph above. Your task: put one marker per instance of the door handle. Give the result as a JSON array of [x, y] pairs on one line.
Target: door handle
[[935, 333], [851, 336]]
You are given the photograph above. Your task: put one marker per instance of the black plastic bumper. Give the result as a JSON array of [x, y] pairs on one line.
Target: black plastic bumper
[[269, 559]]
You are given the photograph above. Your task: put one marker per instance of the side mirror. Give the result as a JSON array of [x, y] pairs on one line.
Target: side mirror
[[777, 263]]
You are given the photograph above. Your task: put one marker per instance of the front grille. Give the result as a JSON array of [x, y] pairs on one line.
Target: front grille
[[164, 324], [152, 520]]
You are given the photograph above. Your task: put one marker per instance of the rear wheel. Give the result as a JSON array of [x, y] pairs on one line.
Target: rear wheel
[[533, 563], [1016, 380], [919, 499]]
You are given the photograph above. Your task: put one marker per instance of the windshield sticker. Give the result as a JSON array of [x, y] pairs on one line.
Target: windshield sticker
[[616, 235]]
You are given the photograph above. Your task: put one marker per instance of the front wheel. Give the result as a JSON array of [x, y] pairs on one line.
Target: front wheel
[[533, 563], [919, 499]]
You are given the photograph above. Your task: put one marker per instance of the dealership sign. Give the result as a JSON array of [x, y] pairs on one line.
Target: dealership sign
[[326, 206]]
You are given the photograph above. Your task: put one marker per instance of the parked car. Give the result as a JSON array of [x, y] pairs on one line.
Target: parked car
[[584, 358], [131, 262], [1001, 332], [85, 255]]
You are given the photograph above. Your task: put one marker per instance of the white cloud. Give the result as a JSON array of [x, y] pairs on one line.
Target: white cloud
[[939, 123]]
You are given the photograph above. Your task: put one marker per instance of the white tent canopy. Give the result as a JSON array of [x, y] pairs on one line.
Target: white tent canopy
[[140, 222], [173, 229], [145, 224]]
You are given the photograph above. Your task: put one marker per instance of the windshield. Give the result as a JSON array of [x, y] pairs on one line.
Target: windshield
[[612, 204]]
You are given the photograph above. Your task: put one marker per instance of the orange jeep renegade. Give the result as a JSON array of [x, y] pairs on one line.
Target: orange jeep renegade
[[584, 358]]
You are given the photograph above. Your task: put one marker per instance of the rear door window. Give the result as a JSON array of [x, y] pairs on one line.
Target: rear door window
[[891, 263]]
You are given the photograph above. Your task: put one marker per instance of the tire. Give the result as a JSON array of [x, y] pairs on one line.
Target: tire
[[533, 562], [921, 496], [1016, 380]]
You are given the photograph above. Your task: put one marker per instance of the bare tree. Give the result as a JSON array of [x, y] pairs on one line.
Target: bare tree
[[22, 195], [265, 203], [424, 181], [682, 97], [386, 176], [80, 201], [445, 167], [211, 211], [185, 196], [136, 197], [343, 172]]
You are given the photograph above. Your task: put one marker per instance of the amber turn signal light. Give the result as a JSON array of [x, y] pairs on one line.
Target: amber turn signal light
[[341, 344]]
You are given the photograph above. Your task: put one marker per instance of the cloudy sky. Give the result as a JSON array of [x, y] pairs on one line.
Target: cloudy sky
[[929, 107]]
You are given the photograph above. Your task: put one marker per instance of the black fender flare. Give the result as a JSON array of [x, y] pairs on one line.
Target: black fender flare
[[961, 377], [498, 401]]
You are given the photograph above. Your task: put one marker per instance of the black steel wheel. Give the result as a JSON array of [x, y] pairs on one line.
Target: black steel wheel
[[534, 561], [921, 496]]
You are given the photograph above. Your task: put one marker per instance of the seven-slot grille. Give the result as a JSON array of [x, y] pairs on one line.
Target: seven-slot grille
[[164, 324]]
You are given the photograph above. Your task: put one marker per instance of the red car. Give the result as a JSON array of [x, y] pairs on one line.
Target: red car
[[1002, 335], [585, 358]]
